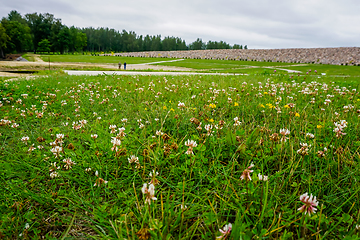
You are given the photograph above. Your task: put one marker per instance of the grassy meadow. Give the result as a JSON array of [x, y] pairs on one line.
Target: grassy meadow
[[207, 65], [99, 59], [188, 157]]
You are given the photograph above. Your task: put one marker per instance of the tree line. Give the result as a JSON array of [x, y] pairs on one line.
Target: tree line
[[45, 33]]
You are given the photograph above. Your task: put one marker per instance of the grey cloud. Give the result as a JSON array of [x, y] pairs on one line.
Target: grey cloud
[[257, 23]]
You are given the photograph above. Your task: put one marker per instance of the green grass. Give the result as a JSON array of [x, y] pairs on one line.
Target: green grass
[[223, 64], [4, 78], [243, 66], [206, 65], [29, 57], [99, 59], [35, 202], [330, 69]]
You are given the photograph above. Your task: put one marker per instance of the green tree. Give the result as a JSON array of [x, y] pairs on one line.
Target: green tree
[[224, 45], [41, 26], [90, 35], [64, 39], [15, 16], [236, 46], [156, 43], [181, 44], [211, 45], [73, 34], [147, 43], [4, 38], [140, 43], [44, 46], [131, 43], [81, 41], [169, 44], [217, 45], [19, 34], [54, 36], [197, 45]]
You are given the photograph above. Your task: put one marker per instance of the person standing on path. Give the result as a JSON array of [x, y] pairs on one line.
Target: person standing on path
[[119, 65], [124, 65]]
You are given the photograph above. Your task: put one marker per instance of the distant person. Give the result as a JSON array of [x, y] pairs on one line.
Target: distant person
[[119, 65], [124, 65]]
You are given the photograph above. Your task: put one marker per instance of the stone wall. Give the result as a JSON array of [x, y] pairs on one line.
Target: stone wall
[[335, 56]]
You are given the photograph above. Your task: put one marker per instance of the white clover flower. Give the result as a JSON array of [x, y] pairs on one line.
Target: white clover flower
[[149, 193], [237, 122], [115, 141], [310, 135], [25, 139], [56, 151], [68, 163], [225, 231], [191, 143], [133, 159], [181, 105], [31, 148], [310, 203], [54, 174], [60, 136], [159, 132], [262, 177], [153, 173]]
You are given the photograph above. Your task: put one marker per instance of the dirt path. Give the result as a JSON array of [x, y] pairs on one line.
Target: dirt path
[[37, 58]]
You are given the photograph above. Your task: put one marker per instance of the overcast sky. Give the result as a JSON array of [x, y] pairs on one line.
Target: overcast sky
[[257, 23]]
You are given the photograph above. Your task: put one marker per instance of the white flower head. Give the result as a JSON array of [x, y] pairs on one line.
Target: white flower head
[[191, 143], [149, 192]]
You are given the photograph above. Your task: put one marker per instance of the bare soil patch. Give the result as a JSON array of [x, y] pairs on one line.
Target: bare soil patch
[[11, 57]]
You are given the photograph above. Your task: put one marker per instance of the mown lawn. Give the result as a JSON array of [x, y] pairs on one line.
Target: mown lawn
[[100, 59]]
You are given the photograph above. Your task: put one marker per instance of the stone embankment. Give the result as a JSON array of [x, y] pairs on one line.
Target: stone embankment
[[334, 56]]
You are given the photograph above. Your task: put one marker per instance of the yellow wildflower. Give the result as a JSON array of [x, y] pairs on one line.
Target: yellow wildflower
[[262, 105], [236, 104], [211, 120], [212, 105], [164, 107], [319, 126], [286, 106], [270, 105], [297, 115], [172, 109], [145, 109], [265, 93]]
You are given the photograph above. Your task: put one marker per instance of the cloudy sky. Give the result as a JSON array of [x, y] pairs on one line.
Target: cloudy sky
[[260, 24]]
